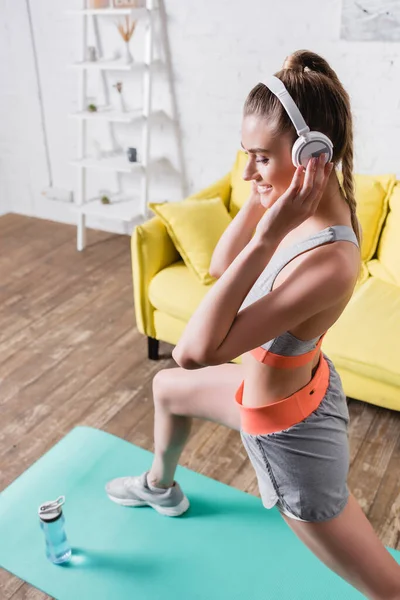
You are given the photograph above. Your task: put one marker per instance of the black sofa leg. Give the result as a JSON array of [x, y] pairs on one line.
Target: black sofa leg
[[152, 346]]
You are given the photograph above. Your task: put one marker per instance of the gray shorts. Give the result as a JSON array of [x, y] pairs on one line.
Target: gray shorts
[[303, 470]]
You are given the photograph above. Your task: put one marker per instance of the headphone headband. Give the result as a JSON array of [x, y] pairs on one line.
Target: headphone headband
[[278, 88]]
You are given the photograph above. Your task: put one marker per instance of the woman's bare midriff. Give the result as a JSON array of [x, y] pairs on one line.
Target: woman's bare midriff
[[265, 385]]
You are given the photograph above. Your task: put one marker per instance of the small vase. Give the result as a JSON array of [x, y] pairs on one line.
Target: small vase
[[121, 103], [128, 55], [132, 154]]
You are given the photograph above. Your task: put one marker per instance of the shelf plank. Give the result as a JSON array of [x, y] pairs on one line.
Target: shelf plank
[[109, 65], [122, 208], [119, 162], [108, 114], [135, 13], [117, 65]]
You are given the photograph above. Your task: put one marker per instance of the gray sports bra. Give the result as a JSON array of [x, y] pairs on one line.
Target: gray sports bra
[[287, 344]]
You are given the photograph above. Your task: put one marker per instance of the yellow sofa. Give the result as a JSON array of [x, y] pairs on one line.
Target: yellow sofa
[[364, 344]]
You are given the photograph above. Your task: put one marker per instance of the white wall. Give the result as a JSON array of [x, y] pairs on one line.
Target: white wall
[[219, 51]]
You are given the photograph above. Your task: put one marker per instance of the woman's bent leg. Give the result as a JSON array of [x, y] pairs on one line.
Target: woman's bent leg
[[181, 394]]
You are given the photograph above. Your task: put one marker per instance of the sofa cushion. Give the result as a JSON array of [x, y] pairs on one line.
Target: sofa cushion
[[195, 226], [177, 291], [364, 342], [389, 244], [376, 269], [218, 189], [362, 278], [372, 194], [240, 189]]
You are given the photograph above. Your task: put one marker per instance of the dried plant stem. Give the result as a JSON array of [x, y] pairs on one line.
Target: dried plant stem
[[126, 28]]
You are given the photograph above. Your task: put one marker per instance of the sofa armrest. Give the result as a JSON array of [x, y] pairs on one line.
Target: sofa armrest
[[152, 250]]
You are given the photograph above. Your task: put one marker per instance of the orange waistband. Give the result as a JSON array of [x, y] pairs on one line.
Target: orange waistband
[[285, 413], [285, 362]]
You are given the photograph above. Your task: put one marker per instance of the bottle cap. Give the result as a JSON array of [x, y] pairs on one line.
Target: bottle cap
[[51, 511]]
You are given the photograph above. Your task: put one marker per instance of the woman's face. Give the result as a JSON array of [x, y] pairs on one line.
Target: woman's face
[[269, 159]]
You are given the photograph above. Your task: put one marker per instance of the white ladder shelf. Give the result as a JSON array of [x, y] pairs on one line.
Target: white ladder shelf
[[131, 207]]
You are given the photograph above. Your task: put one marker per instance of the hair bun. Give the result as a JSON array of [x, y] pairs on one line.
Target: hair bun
[[293, 63], [296, 63], [305, 60]]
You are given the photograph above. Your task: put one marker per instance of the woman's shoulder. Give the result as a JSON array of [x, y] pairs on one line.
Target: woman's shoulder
[[336, 265]]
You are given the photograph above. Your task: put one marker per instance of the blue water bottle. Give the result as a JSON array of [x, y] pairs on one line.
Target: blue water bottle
[[52, 522]]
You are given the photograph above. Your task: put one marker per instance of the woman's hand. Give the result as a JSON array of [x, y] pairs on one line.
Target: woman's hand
[[298, 203], [255, 197]]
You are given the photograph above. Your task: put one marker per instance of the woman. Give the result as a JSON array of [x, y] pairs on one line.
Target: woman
[[279, 290]]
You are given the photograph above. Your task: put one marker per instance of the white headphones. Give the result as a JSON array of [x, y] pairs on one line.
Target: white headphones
[[309, 143]]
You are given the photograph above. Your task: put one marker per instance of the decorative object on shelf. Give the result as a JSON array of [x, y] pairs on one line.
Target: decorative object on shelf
[[91, 54], [99, 4], [105, 200], [132, 154], [121, 103], [126, 29], [92, 108]]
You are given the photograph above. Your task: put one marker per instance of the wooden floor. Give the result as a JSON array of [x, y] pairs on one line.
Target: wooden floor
[[70, 355]]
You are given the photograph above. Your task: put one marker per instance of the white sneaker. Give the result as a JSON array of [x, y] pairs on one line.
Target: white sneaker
[[135, 491]]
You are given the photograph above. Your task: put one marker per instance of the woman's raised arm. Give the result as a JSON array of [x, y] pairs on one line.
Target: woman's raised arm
[[237, 235]]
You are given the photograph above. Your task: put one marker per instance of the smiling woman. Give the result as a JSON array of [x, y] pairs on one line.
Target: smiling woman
[[285, 275], [270, 169]]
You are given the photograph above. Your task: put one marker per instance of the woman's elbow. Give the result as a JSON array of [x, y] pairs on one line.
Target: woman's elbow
[[184, 360], [215, 271], [215, 274]]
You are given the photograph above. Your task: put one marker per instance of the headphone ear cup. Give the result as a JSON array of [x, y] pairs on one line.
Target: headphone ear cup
[[296, 151], [312, 144]]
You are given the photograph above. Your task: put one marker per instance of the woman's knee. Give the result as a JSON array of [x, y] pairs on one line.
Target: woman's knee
[[206, 393], [164, 386]]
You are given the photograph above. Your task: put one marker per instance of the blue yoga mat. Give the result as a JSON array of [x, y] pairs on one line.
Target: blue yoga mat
[[227, 546]]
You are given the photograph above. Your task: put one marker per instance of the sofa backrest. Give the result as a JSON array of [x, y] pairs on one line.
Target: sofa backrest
[[372, 196], [372, 193]]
